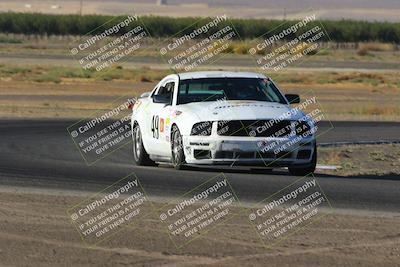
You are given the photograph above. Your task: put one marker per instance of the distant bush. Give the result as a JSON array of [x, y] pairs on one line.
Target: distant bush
[[362, 52], [339, 31], [7, 40]]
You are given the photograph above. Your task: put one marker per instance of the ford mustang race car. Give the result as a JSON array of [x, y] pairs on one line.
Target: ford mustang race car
[[222, 118]]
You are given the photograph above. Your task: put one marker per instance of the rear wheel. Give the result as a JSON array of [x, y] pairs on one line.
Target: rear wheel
[[309, 168], [140, 155], [178, 157]]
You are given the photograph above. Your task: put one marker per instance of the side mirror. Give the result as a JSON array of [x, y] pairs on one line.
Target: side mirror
[[163, 99], [293, 98], [146, 94]]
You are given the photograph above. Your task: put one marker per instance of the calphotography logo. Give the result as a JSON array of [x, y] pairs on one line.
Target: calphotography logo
[[199, 44], [198, 211], [110, 43], [289, 210], [291, 135], [105, 132], [253, 130], [108, 212], [289, 44]]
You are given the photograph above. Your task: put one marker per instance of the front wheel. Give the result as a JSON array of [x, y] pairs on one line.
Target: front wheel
[[178, 156], [310, 168], [140, 155]]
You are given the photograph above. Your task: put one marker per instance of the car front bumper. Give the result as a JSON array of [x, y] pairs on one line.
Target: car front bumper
[[251, 151]]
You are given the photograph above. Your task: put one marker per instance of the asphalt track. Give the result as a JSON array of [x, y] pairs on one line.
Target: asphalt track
[[40, 154]]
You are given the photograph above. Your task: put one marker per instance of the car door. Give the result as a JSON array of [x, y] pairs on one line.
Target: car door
[[157, 117]]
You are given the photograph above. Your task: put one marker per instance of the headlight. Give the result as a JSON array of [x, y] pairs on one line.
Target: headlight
[[202, 128]]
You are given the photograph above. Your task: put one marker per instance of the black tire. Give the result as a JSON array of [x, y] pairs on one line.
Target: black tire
[[309, 168], [140, 155], [178, 156]]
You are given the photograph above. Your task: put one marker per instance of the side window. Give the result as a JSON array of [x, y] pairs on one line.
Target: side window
[[160, 91], [166, 90]]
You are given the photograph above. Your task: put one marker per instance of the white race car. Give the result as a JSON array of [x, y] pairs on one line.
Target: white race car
[[226, 118]]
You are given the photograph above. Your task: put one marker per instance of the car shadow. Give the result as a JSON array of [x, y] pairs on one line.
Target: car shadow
[[391, 176], [218, 169]]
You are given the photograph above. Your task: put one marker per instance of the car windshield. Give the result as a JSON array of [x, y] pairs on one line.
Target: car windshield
[[212, 89]]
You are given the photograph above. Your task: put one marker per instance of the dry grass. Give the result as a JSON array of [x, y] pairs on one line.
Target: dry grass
[[61, 74], [332, 158], [375, 79], [381, 111], [365, 48], [358, 77], [59, 45], [378, 47], [362, 52], [360, 96], [72, 99]]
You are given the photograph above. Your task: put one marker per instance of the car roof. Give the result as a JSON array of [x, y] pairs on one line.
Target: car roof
[[219, 74]]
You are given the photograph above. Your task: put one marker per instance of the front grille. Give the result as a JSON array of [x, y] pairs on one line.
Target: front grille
[[284, 155], [224, 155], [235, 155], [272, 155], [254, 128], [265, 155], [303, 128], [304, 154]]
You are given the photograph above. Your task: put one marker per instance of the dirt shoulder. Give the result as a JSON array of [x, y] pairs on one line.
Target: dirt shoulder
[[35, 230], [377, 160]]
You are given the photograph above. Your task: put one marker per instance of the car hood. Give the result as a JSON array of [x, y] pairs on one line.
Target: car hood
[[237, 110]]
